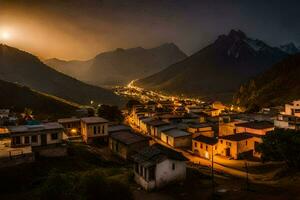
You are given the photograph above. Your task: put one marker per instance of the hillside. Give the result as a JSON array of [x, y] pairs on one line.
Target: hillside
[[217, 70], [121, 66], [276, 86], [16, 98], [25, 69]]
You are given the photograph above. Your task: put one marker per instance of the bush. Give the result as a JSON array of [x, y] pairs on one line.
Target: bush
[[282, 145], [91, 185]]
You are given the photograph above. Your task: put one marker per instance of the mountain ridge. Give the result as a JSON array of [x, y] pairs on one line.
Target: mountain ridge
[[120, 66], [21, 67], [218, 69]]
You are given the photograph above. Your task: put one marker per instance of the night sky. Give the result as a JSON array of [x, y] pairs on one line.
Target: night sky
[[83, 28]]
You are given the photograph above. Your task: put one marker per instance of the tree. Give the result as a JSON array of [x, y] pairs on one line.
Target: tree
[[282, 145], [111, 113]]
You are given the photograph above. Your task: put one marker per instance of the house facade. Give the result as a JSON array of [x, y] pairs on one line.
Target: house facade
[[204, 146], [36, 135], [176, 138], [158, 166], [94, 128], [72, 126], [125, 143]]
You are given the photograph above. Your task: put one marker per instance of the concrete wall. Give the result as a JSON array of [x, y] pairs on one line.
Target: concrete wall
[[165, 174], [38, 135], [88, 131], [184, 141], [254, 131], [206, 150]]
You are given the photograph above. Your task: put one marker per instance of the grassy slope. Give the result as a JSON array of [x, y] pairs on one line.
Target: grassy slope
[[17, 98]]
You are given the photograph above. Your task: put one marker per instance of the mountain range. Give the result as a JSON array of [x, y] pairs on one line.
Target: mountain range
[[120, 66], [276, 86], [217, 70], [17, 98], [20, 67]]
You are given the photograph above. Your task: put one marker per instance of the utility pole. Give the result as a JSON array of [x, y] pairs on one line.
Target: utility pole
[[212, 172], [247, 175]]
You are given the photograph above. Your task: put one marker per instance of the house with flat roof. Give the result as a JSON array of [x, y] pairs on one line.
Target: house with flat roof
[[236, 145], [255, 127], [176, 138], [204, 146], [205, 129], [94, 128], [125, 143], [290, 117], [154, 125], [118, 128], [157, 166], [36, 135], [72, 126]]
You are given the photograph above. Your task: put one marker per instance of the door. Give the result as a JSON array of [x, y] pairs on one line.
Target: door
[[228, 152], [43, 139]]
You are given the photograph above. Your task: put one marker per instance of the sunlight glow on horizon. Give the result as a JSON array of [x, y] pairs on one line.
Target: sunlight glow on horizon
[[5, 35]]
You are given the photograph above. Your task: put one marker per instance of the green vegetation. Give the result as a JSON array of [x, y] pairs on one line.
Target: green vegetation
[[282, 145], [81, 175], [111, 113]]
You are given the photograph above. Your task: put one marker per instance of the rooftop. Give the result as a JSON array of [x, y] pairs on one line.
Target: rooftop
[[199, 125], [127, 137], [156, 154], [32, 128], [117, 128], [176, 133], [157, 122], [206, 140], [237, 137], [256, 125], [93, 120], [68, 120]]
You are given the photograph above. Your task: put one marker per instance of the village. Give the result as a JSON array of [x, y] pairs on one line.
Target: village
[[160, 137]]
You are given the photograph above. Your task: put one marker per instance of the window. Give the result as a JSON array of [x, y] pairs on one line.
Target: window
[[26, 139], [201, 145], [103, 130], [195, 144], [216, 147], [99, 129], [221, 141], [151, 174], [34, 139], [17, 140], [206, 147], [54, 136], [173, 166], [95, 130], [246, 142]]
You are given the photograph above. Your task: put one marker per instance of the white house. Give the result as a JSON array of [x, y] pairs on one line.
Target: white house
[[36, 135], [290, 118], [157, 166]]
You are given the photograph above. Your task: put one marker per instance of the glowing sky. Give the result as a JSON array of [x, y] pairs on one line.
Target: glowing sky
[[83, 28]]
